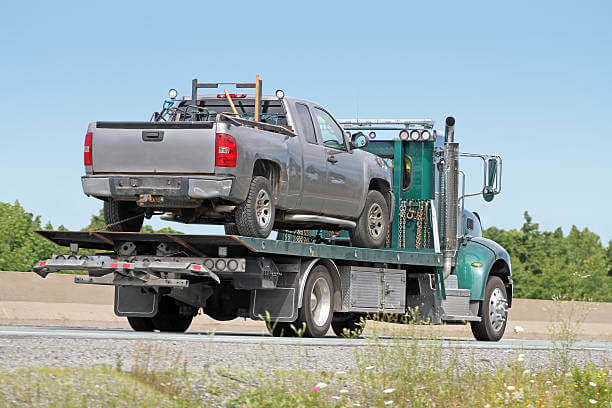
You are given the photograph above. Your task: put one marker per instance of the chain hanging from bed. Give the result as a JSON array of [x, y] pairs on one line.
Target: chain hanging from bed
[[415, 211]]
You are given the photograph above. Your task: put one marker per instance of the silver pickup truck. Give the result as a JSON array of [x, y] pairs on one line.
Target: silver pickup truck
[[251, 162]]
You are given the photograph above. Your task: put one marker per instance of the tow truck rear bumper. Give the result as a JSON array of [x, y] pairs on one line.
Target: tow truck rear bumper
[[104, 270]]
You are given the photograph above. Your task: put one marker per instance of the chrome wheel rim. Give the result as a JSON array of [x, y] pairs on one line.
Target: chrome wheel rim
[[375, 221], [497, 309], [320, 301], [263, 208]]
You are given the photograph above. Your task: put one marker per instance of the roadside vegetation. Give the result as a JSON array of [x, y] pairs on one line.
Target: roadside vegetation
[[401, 372]]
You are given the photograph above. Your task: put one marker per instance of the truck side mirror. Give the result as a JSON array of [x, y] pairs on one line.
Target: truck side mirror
[[359, 140], [488, 193]]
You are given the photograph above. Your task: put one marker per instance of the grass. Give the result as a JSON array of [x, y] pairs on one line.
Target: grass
[[403, 373]]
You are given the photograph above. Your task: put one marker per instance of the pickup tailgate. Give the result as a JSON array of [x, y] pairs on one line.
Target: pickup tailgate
[[153, 147]]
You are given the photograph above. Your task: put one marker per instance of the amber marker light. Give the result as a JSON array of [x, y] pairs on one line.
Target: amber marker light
[[476, 264]]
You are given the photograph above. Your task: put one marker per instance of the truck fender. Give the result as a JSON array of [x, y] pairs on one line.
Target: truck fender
[[493, 260], [305, 269]]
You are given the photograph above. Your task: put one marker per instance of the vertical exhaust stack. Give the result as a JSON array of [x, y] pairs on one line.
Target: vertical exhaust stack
[[449, 180]]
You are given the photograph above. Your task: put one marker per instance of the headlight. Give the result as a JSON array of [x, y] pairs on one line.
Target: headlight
[[414, 135], [425, 135], [403, 135], [172, 93]]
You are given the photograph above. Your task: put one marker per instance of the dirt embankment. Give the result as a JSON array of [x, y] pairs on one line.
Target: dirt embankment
[[28, 300]]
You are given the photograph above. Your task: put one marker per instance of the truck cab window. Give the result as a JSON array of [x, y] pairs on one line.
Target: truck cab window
[[406, 172], [305, 121], [332, 134]]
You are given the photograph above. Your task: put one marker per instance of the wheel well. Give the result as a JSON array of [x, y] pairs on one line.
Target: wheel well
[[500, 268], [383, 187], [269, 170], [333, 272]]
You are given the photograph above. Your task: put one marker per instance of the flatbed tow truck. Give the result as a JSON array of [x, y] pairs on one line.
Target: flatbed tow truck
[[435, 267]]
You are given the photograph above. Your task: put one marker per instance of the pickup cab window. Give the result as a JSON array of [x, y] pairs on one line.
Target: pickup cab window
[[332, 134], [306, 125]]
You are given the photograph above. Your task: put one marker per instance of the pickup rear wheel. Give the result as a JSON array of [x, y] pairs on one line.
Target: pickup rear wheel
[[373, 223], [231, 229], [126, 211], [255, 215]]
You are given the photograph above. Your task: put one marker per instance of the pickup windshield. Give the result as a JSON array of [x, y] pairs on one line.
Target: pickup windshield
[[272, 112]]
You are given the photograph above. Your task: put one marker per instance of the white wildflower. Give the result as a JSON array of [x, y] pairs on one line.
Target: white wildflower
[[592, 384], [548, 382], [389, 402], [487, 406], [526, 372], [510, 388], [593, 401], [336, 397], [321, 385], [518, 329], [340, 372], [369, 367], [532, 381], [389, 390], [521, 357], [344, 391], [534, 374]]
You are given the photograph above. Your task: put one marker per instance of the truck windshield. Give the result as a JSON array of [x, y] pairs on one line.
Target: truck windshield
[[272, 112]]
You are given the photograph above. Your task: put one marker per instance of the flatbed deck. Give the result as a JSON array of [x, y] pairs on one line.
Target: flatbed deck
[[207, 245]]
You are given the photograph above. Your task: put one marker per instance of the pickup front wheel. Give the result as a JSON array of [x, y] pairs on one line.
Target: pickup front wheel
[[373, 223], [255, 215]]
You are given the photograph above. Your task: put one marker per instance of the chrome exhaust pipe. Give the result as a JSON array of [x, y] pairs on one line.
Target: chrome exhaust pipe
[[451, 195]]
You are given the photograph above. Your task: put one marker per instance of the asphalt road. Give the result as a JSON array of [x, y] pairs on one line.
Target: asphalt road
[[251, 338]]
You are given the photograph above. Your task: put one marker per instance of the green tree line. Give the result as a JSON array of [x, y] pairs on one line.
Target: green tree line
[[548, 264], [544, 264]]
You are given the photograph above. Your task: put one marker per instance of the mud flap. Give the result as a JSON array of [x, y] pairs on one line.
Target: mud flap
[[135, 301], [279, 304]]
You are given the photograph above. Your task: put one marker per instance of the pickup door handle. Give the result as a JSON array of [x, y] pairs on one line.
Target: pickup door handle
[[332, 159]]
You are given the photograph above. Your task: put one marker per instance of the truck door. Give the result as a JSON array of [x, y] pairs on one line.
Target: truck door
[[344, 172], [314, 172]]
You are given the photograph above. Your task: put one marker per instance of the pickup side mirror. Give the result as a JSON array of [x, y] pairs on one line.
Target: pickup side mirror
[[488, 192], [359, 140]]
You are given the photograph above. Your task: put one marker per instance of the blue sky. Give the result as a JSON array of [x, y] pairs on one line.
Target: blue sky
[[527, 80]]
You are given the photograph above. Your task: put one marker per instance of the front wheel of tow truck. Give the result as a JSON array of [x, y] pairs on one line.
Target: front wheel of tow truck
[[123, 216], [255, 215], [141, 324], [373, 223], [169, 318], [348, 325], [315, 315], [493, 312]]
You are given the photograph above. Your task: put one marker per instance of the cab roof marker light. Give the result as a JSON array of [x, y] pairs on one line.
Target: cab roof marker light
[[414, 135], [403, 135], [232, 95]]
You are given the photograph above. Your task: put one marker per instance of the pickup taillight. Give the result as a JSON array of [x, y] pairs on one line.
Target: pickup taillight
[[88, 151], [225, 150]]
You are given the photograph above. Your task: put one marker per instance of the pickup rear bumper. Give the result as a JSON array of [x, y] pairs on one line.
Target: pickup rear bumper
[[174, 187]]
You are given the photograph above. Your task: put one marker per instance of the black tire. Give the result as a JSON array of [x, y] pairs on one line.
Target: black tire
[[168, 318], [231, 229], [248, 222], [307, 319], [115, 211], [347, 325], [141, 324], [485, 329], [376, 210], [281, 329]]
